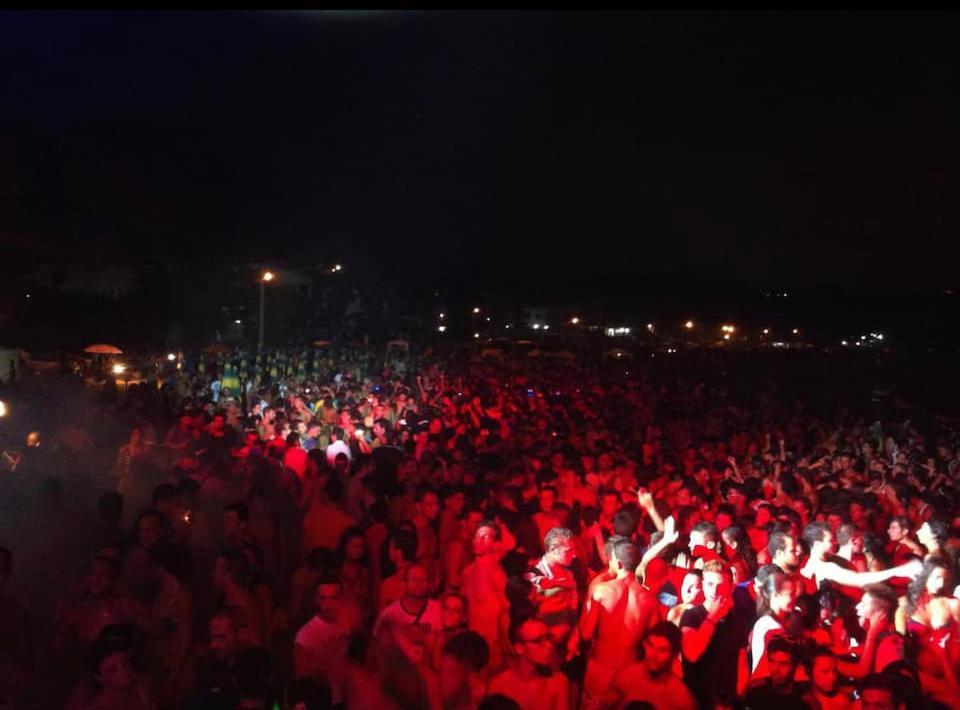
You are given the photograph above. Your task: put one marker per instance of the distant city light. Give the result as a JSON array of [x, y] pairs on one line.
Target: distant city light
[[488, 319], [766, 331], [476, 309], [476, 335], [843, 343], [3, 409], [879, 336], [546, 326], [727, 329], [688, 325], [119, 369], [442, 328], [650, 327], [238, 321], [727, 336], [268, 276], [536, 326], [574, 320], [171, 357], [442, 316], [507, 325], [795, 331], [28, 295], [337, 267]]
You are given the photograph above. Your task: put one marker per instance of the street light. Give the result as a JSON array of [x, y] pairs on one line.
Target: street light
[[266, 278]]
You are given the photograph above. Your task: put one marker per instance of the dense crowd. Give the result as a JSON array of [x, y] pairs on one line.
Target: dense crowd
[[475, 534]]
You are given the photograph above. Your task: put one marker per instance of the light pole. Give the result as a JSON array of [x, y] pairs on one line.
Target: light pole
[[264, 279]]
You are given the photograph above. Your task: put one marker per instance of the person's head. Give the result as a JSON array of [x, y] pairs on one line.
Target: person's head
[[403, 546], [898, 528], [352, 546], [934, 580], [933, 533], [230, 568], [716, 581], [877, 605], [109, 663], [235, 519], [223, 635], [151, 529], [486, 540], [625, 557], [609, 503], [849, 534], [416, 581], [778, 594], [660, 648], [533, 642], [427, 502], [102, 577], [824, 676], [469, 649], [782, 661], [558, 545], [877, 692], [725, 518], [691, 588], [453, 611], [546, 498], [819, 539], [784, 551], [704, 534], [327, 593]]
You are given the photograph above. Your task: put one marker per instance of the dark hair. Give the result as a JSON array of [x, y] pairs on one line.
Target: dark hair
[[669, 631], [917, 589], [422, 491], [782, 644], [877, 681], [333, 489], [470, 648], [240, 508], [625, 522], [100, 649], [492, 525], [405, 540], [498, 702]]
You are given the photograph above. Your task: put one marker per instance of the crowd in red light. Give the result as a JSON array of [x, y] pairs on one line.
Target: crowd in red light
[[501, 535]]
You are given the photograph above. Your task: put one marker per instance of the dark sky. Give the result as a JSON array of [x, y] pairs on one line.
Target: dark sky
[[763, 148]]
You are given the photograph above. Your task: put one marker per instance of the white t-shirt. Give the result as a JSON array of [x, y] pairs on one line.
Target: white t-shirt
[[395, 614], [326, 645], [758, 645]]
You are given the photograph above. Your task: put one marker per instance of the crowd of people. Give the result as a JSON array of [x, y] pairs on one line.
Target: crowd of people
[[477, 534]]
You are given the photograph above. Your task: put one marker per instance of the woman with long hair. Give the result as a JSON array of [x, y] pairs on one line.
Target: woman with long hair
[[930, 628], [739, 553], [776, 600]]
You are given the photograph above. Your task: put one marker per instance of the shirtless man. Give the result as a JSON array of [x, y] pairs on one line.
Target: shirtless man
[[530, 680], [483, 584], [621, 613], [652, 680]]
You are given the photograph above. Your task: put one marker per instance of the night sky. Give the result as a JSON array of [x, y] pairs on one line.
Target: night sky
[[764, 149]]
